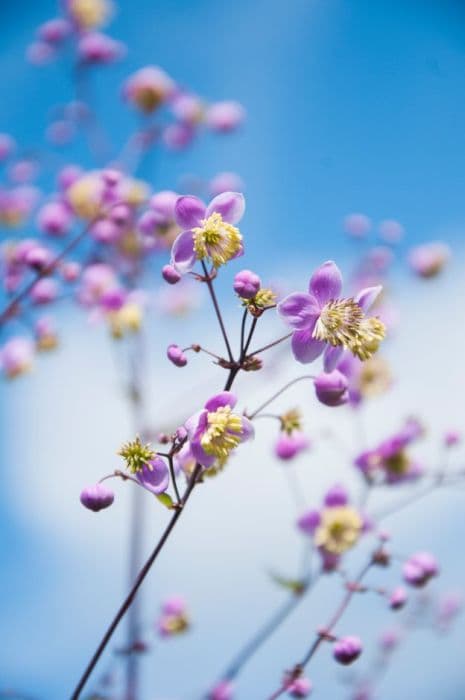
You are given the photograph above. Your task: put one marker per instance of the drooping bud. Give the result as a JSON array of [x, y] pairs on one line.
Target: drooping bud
[[97, 497], [398, 598], [176, 356], [170, 275], [347, 649], [332, 388]]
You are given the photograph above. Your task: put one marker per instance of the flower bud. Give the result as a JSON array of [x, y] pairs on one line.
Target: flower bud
[[97, 497], [347, 649], [246, 284], [332, 388], [176, 355], [419, 569], [398, 598], [170, 275], [300, 688], [336, 496], [223, 690], [44, 291], [54, 219], [289, 446]]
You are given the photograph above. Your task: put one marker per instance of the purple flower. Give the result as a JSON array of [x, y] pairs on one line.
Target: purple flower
[[95, 47], [174, 605], [216, 431], [208, 233], [16, 356], [390, 459], [309, 521], [97, 497], [154, 475], [357, 225], [225, 116], [54, 218], [148, 88], [323, 321], [347, 649], [428, 260]]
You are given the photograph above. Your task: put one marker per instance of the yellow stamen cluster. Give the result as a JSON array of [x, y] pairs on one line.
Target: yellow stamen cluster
[[264, 299], [223, 433], [175, 624], [375, 377], [342, 322], [128, 319], [217, 240], [46, 342], [339, 529], [398, 464], [290, 421], [136, 455], [90, 13]]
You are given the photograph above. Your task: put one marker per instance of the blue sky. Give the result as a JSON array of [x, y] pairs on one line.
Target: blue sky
[[353, 105]]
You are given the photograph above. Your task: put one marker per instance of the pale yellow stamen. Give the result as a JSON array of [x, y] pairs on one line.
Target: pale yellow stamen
[[339, 529], [223, 433], [342, 322], [217, 240]]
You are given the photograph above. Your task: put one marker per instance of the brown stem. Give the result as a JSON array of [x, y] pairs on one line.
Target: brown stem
[[211, 289]]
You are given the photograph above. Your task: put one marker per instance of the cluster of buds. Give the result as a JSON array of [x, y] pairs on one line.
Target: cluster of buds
[[255, 298]]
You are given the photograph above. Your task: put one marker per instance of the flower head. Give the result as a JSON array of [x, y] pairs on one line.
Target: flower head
[[216, 431], [209, 233], [390, 459], [324, 321], [339, 529], [136, 455]]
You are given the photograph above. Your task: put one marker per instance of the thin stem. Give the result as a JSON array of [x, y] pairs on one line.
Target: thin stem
[[138, 582], [272, 345], [249, 339], [321, 637], [244, 321], [263, 634], [173, 478], [211, 289], [145, 569], [278, 393]]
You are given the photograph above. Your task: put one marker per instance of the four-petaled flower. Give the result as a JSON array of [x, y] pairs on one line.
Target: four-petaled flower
[[324, 321], [208, 232], [216, 431]]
